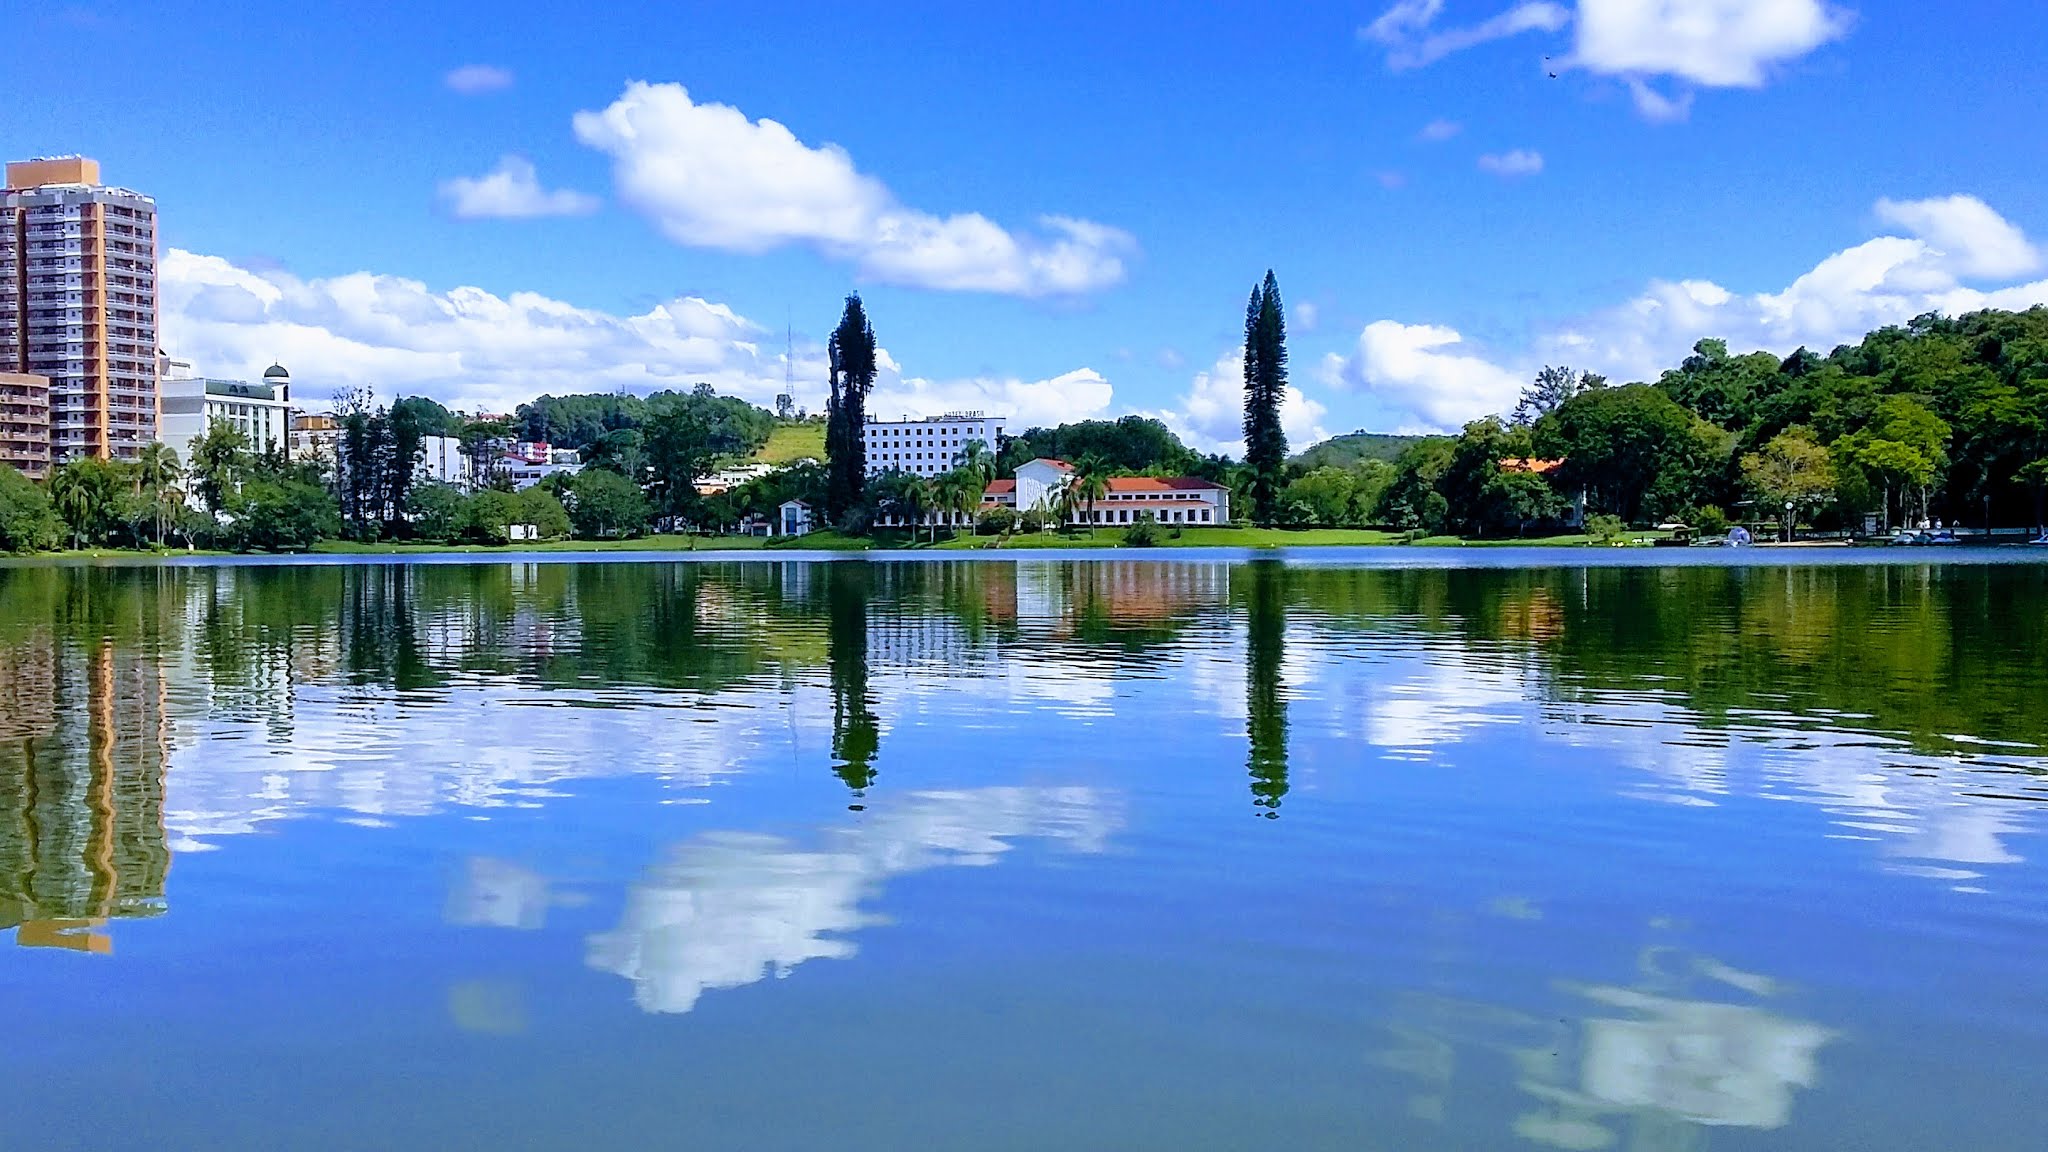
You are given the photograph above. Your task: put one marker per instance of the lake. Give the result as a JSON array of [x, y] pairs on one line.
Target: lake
[[1401, 851]]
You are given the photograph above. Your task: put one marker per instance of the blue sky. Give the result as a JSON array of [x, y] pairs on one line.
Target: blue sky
[[1053, 213]]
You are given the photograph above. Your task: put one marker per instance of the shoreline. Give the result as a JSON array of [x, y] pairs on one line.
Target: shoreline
[[1378, 556]]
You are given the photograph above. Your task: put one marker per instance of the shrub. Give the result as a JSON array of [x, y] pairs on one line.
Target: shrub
[[1710, 521], [1605, 529], [995, 522], [1143, 532], [1032, 521]]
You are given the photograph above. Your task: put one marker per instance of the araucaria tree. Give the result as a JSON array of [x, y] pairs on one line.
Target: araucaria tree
[[1265, 386], [852, 354]]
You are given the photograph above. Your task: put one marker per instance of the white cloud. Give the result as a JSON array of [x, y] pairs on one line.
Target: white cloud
[[1078, 395], [1437, 131], [1966, 230], [1708, 43], [1713, 43], [512, 191], [1210, 415], [710, 177], [1306, 316], [1418, 369], [1425, 373], [472, 79], [1405, 30], [474, 349], [1519, 162]]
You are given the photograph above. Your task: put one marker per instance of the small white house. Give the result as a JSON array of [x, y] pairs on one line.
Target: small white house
[[793, 518], [1038, 480]]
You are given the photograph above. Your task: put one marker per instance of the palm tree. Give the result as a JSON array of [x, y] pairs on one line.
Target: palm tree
[[976, 458], [960, 494], [1090, 483], [158, 472], [72, 493]]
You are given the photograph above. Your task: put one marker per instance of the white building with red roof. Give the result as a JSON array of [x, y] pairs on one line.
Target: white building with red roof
[[1169, 500]]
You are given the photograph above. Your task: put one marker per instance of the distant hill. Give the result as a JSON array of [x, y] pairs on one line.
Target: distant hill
[[1345, 451]]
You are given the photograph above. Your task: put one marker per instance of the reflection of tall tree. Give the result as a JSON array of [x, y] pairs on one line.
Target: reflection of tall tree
[[856, 733], [1265, 706]]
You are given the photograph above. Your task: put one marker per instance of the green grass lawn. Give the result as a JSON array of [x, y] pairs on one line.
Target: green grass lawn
[[641, 544], [789, 443]]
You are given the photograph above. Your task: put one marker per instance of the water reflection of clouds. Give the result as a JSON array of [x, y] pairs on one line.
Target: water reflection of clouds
[[727, 909], [1691, 1046]]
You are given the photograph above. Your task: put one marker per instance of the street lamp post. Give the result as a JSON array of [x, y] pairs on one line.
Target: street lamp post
[[1788, 521]]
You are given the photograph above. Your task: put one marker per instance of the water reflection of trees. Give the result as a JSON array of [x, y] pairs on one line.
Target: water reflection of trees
[[1265, 609]]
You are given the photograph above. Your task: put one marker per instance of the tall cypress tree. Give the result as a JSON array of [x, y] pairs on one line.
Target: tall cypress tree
[[853, 376], [1265, 385]]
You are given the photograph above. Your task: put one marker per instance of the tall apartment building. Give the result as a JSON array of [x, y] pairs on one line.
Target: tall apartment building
[[25, 423], [927, 447], [78, 303]]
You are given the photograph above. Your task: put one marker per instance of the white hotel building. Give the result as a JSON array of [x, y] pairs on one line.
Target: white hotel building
[[927, 447]]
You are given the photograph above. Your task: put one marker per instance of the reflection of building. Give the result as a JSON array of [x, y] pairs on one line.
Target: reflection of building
[[78, 303], [726, 910], [83, 744]]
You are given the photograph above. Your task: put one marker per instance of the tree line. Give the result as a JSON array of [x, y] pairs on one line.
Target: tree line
[[1940, 420]]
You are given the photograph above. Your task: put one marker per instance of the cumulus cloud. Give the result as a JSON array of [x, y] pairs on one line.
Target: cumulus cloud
[[1405, 29], [1428, 374], [709, 177], [475, 349], [1712, 43], [1422, 370], [512, 191], [472, 79], [1965, 230], [1209, 417], [1082, 394], [1520, 162]]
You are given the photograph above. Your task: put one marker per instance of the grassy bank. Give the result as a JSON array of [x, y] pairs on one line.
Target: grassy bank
[[895, 540]]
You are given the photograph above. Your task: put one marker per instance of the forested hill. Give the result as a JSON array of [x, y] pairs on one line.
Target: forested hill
[[1346, 451]]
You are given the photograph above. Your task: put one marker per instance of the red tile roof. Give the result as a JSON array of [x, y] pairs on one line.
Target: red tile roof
[[1000, 487], [1539, 467], [1062, 465], [1161, 484]]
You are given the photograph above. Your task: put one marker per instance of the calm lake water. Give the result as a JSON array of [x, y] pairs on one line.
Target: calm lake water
[[1188, 853]]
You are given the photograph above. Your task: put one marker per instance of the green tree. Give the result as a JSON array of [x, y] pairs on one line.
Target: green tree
[[1719, 388], [1328, 495], [852, 356], [220, 461], [679, 452], [1905, 446], [1265, 389], [1793, 471], [606, 504], [86, 491], [283, 515], [1132, 444], [27, 521], [959, 493], [620, 450], [437, 510], [1551, 388], [1635, 451], [538, 508]]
